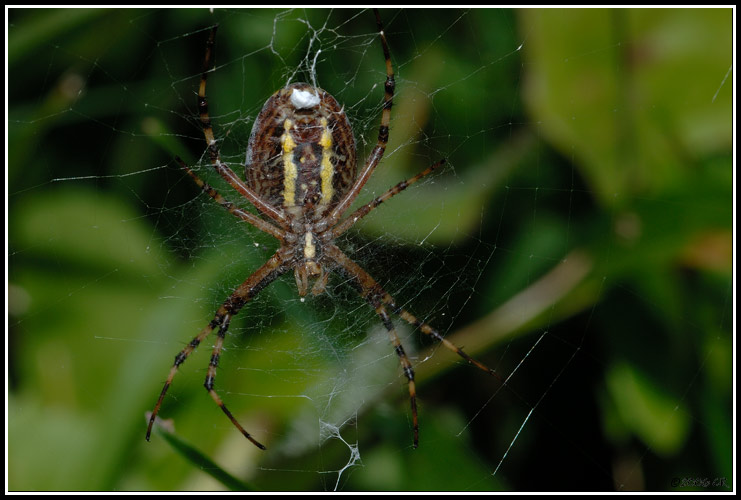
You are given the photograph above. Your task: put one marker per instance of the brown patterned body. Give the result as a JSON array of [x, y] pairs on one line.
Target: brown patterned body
[[301, 154]]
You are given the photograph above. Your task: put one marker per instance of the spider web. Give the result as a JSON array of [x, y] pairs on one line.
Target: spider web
[[498, 251]]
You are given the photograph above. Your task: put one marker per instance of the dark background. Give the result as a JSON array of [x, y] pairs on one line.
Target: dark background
[[579, 240]]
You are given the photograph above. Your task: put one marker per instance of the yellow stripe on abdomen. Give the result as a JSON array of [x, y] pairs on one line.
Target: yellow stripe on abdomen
[[327, 170], [290, 172]]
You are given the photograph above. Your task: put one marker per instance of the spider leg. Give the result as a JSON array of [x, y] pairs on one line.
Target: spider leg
[[224, 171], [373, 293], [366, 209], [406, 365], [261, 278], [260, 224], [383, 132], [211, 375], [428, 330]]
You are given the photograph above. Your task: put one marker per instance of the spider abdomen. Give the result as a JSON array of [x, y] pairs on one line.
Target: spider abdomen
[[301, 153]]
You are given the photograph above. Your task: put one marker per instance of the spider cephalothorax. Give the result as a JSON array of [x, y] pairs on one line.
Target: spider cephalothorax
[[301, 176]]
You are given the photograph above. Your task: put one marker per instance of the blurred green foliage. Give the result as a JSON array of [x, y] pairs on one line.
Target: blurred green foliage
[[584, 231]]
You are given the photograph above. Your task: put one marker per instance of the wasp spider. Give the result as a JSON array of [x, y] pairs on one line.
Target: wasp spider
[[300, 174]]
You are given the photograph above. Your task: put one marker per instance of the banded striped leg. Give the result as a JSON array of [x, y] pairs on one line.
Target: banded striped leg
[[261, 278], [406, 365], [260, 224], [428, 330], [383, 133], [367, 208], [225, 172], [211, 375], [371, 290]]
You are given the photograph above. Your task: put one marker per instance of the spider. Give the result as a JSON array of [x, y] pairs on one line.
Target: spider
[[300, 174]]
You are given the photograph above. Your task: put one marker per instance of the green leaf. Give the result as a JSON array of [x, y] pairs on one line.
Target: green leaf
[[647, 410], [201, 461], [626, 110]]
